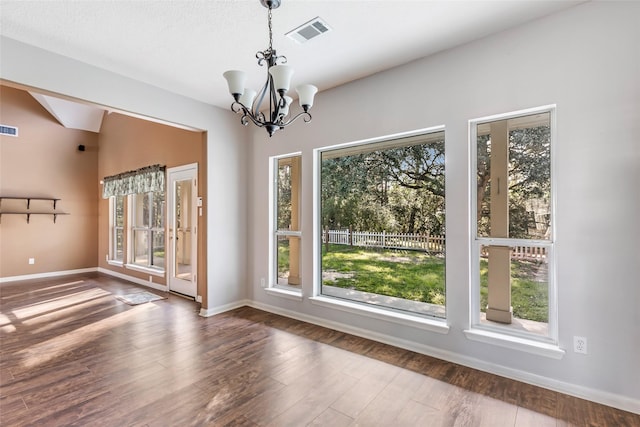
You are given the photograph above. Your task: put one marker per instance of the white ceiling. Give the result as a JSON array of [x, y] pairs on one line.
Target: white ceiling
[[185, 46]]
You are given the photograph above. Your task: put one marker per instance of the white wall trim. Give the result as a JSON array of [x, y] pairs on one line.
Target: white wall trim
[[395, 316], [134, 279], [48, 274], [515, 343], [294, 295], [147, 270], [610, 399], [208, 312]]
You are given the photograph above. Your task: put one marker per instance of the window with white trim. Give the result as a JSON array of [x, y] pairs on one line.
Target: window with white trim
[[286, 223], [513, 286], [116, 235], [382, 224], [147, 230]]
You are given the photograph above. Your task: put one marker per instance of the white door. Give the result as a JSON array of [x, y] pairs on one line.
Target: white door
[[182, 192]]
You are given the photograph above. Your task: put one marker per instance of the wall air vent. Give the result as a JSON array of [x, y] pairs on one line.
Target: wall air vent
[[8, 130], [309, 30]]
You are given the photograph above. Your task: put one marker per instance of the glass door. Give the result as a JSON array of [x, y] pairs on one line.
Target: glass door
[[183, 220]]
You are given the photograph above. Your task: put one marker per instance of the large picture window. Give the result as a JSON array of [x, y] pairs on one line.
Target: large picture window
[[514, 285], [148, 234], [382, 223]]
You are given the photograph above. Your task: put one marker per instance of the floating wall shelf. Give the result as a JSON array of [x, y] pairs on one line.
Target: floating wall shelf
[[27, 212]]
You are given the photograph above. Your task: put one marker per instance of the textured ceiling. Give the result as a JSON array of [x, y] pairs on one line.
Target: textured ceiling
[[185, 46]]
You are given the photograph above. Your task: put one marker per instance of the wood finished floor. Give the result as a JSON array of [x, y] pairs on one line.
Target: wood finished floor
[[73, 355]]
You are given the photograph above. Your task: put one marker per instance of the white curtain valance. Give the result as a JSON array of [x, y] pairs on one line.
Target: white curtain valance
[[143, 180]]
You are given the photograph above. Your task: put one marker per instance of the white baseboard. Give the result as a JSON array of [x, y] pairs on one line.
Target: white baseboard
[[135, 280], [208, 312], [617, 401], [48, 274]]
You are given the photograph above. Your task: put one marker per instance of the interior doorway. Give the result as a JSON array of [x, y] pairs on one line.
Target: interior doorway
[[182, 211]]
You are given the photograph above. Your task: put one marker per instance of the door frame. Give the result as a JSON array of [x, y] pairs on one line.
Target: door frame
[[192, 169]]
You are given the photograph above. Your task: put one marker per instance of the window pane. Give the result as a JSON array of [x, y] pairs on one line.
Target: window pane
[[286, 168], [287, 192], [288, 259], [158, 249], [527, 271], [140, 210], [514, 178], [141, 247], [119, 211], [382, 213], [119, 244], [157, 213]]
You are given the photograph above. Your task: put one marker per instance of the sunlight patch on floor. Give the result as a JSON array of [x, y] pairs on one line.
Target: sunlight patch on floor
[[5, 324], [55, 347], [58, 303]]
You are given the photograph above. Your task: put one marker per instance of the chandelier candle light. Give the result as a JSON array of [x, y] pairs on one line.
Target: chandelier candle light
[[275, 88]]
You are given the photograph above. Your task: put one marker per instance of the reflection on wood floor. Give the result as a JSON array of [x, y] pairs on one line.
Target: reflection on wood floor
[[72, 354]]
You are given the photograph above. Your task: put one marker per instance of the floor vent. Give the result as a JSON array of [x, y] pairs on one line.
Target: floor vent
[[309, 30], [8, 130]]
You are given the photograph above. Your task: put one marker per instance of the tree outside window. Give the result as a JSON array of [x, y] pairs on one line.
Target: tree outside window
[[148, 230], [383, 223]]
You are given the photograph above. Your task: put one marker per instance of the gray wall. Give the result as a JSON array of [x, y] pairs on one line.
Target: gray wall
[[585, 60]]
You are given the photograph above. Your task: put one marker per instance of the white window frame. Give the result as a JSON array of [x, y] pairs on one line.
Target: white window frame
[[273, 288], [113, 231], [131, 264], [493, 333], [403, 318]]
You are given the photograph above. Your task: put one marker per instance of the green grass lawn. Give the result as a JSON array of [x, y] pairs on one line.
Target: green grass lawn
[[529, 298], [419, 276], [404, 274]]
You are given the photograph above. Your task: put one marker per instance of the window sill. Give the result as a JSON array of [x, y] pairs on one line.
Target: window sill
[[153, 271], [515, 343], [387, 315], [285, 293], [115, 263]]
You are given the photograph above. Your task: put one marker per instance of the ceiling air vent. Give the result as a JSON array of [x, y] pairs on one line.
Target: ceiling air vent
[[8, 130], [309, 30]]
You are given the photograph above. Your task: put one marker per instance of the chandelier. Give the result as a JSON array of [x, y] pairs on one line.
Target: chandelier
[[275, 89]]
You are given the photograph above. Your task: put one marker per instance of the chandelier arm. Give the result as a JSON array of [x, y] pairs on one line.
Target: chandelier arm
[[307, 118], [238, 107], [255, 120], [260, 99]]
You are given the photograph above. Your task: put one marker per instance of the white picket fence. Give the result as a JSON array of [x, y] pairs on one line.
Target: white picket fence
[[422, 242], [529, 253]]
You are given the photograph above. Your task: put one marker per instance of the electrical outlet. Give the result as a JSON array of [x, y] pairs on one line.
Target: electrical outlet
[[198, 298], [263, 283], [32, 261], [580, 345]]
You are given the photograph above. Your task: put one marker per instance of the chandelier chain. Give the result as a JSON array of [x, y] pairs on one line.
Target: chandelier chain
[[270, 33]]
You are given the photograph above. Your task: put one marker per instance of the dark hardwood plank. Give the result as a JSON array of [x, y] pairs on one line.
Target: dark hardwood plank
[[71, 354]]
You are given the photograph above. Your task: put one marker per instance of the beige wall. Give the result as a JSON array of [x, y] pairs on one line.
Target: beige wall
[[127, 143], [44, 161]]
